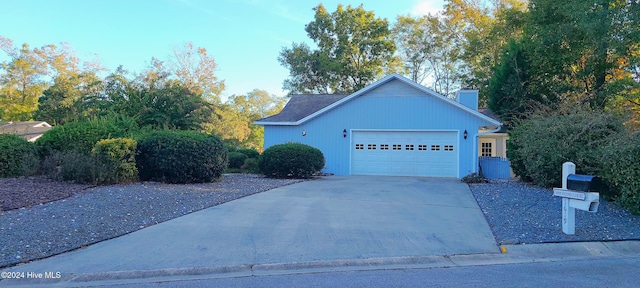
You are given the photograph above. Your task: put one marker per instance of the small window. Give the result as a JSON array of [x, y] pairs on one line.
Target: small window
[[448, 147], [397, 147], [359, 146], [409, 147], [422, 147], [371, 146], [435, 147], [486, 149], [384, 146]]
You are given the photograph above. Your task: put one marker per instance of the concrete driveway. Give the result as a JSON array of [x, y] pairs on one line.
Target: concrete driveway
[[332, 218]]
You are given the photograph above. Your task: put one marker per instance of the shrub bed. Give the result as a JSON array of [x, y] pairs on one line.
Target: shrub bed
[[180, 157], [291, 160], [16, 154], [82, 135], [115, 161], [621, 171], [538, 146], [236, 160]]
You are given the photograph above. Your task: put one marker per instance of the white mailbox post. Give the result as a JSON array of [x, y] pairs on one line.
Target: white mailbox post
[[575, 193]]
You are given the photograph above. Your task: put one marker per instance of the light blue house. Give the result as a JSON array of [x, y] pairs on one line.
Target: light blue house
[[391, 127]]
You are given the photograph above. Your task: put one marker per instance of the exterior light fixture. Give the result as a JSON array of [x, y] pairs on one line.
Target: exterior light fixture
[[465, 134], [304, 132], [344, 133]]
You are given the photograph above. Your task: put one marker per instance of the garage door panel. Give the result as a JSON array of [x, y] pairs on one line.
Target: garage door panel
[[404, 153]]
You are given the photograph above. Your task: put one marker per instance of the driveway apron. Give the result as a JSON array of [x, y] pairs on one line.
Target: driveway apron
[[331, 218]]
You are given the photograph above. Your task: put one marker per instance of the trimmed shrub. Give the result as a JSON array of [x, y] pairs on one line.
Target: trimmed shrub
[[236, 160], [74, 166], [180, 157], [251, 166], [291, 160], [621, 171], [82, 135], [115, 161], [250, 152], [538, 146], [15, 153]]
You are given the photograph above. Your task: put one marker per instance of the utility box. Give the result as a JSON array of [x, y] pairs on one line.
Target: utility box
[[585, 183]]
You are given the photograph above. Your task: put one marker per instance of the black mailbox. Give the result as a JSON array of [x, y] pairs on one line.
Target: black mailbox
[[586, 183]]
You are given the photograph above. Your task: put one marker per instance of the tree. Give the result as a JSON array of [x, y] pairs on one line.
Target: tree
[[195, 69], [584, 48], [234, 119], [484, 32], [354, 47], [66, 100], [22, 81]]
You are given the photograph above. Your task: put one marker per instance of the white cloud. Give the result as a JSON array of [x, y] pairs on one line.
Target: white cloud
[[427, 7]]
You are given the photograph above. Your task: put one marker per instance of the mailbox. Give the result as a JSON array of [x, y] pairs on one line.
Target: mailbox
[[586, 183], [589, 204]]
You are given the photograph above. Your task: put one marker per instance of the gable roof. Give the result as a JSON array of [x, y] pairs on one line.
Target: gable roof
[[308, 114], [303, 105], [31, 130]]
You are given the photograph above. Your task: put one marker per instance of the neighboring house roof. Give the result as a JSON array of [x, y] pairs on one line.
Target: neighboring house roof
[[303, 105], [29, 130], [302, 109], [488, 112]]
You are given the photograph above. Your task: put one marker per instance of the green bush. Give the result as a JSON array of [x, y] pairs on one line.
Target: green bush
[[73, 165], [538, 146], [236, 160], [251, 166], [621, 171], [115, 161], [250, 152], [82, 135], [15, 153], [291, 160], [180, 157]]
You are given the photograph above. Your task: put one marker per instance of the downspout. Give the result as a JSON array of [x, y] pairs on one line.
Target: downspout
[[475, 149]]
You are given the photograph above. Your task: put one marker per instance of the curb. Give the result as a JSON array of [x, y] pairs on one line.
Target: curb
[[515, 254]]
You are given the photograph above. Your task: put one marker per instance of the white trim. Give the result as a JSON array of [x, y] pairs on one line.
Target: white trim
[[376, 85]]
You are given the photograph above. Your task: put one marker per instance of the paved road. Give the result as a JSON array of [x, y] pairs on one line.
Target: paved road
[[598, 273], [333, 218]]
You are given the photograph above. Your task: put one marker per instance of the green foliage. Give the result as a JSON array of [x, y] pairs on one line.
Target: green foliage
[[180, 157], [236, 160], [251, 166], [621, 171], [250, 152], [70, 165], [15, 152], [65, 101], [115, 161], [354, 47], [538, 146], [291, 160], [82, 135]]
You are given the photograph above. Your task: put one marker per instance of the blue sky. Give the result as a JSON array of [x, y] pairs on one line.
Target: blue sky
[[245, 37]]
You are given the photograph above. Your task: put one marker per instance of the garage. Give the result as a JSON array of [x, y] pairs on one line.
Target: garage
[[404, 153], [393, 127]]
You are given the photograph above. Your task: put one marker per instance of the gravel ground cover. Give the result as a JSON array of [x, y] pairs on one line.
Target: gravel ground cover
[[100, 213], [523, 213]]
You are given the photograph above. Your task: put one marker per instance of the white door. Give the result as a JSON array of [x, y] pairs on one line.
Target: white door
[[404, 153]]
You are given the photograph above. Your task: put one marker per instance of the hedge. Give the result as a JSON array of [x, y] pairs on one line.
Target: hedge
[[180, 157]]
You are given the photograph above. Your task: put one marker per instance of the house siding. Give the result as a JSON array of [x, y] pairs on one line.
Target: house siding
[[392, 106]]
